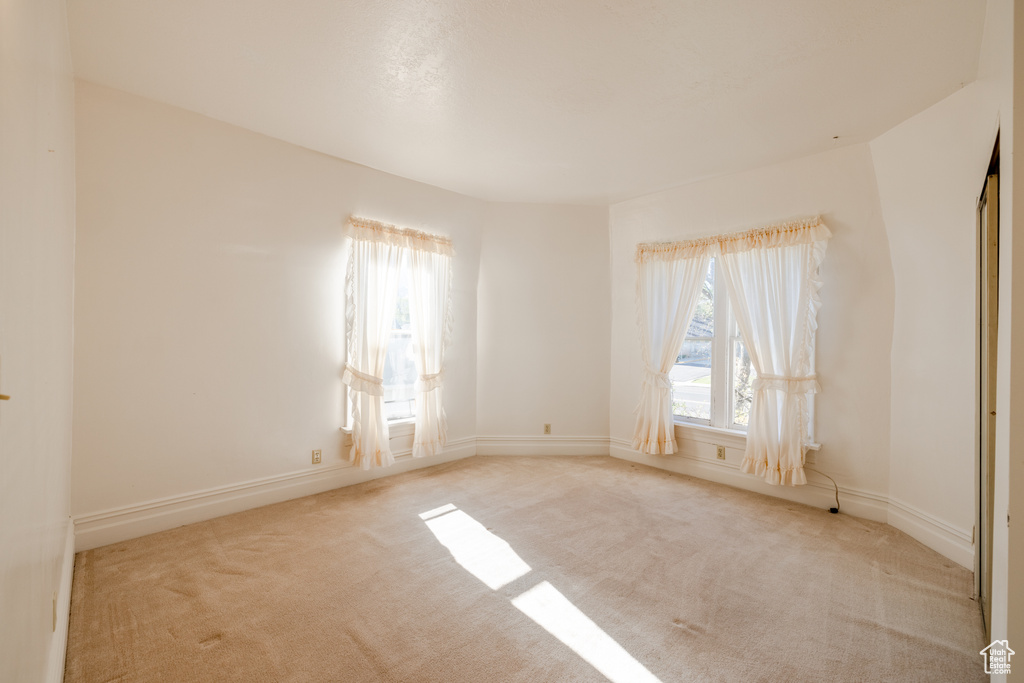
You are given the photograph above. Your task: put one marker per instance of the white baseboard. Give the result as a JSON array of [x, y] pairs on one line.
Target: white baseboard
[[119, 524], [946, 539], [59, 644], [858, 503], [949, 541], [542, 445]]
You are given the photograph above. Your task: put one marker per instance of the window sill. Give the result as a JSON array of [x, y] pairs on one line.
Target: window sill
[[730, 438], [395, 427], [402, 427]]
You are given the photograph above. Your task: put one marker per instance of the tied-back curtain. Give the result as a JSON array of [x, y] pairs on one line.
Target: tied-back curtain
[[430, 307], [377, 254], [371, 292], [668, 287], [772, 281]]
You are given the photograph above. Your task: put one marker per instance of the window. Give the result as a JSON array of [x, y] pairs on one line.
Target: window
[[395, 371], [712, 378], [691, 375], [696, 367], [400, 363]]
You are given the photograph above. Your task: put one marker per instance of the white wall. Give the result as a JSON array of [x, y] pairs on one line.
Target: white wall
[[543, 329], [930, 171], [209, 316], [37, 239], [855, 322], [207, 255], [1007, 80]]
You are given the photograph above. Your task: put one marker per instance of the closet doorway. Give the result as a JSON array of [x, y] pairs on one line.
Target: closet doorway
[[988, 306]]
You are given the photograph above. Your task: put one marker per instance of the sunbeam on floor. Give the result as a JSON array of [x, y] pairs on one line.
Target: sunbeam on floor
[[608, 571], [548, 607], [480, 552], [492, 560]]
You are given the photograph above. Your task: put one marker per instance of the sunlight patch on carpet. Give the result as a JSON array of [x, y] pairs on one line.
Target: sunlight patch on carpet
[[480, 552], [548, 607], [492, 560], [437, 512]]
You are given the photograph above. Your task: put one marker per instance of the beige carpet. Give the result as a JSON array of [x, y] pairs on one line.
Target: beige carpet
[[534, 569]]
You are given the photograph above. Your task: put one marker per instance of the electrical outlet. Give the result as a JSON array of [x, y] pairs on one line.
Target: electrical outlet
[[547, 427], [316, 457], [720, 453]]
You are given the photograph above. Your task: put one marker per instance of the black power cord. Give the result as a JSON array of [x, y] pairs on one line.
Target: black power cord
[[834, 510]]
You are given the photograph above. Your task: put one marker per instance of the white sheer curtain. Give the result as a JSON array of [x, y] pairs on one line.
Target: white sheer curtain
[[371, 291], [668, 286], [376, 256], [430, 306], [771, 276]]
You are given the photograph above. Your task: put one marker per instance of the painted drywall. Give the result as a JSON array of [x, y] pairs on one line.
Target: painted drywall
[[564, 102], [37, 240], [995, 74], [930, 171], [1007, 79], [210, 304], [544, 324], [854, 324]]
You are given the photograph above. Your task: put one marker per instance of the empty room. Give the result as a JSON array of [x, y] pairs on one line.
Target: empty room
[[487, 341]]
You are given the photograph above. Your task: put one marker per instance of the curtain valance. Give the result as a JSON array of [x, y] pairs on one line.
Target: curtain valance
[[772, 281], [367, 230], [779, 235]]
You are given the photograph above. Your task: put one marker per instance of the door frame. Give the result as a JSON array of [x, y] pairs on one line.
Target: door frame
[[987, 215]]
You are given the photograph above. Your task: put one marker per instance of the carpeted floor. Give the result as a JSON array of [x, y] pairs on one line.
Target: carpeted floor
[[525, 569]]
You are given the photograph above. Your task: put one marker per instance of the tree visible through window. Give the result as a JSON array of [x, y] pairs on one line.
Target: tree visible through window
[[691, 375], [743, 375], [712, 377]]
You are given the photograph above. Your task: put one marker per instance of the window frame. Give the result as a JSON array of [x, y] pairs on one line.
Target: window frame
[[721, 426], [404, 277], [724, 331], [397, 426], [714, 354]]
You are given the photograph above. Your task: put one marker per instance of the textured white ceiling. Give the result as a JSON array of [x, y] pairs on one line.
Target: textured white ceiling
[[577, 101]]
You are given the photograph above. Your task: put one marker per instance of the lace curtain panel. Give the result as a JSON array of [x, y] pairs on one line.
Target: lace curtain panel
[[667, 293], [371, 288], [376, 254], [430, 306], [772, 281], [773, 284]]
